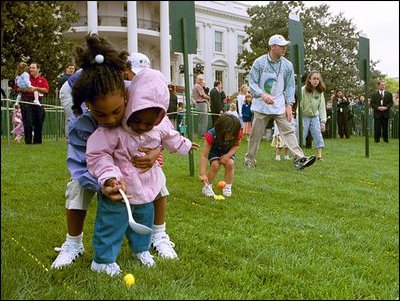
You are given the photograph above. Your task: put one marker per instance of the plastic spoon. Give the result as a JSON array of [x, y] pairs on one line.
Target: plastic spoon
[[139, 228]]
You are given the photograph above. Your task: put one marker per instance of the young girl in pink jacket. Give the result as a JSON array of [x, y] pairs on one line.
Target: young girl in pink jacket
[[109, 153]]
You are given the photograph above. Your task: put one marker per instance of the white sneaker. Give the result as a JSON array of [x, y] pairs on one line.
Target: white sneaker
[[207, 191], [278, 158], [227, 192], [69, 251], [287, 157], [164, 247], [249, 164], [111, 269], [146, 258]]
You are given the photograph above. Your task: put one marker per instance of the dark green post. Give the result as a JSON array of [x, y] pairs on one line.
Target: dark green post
[[187, 94], [8, 112], [363, 57], [58, 124], [334, 117], [296, 56], [183, 33]]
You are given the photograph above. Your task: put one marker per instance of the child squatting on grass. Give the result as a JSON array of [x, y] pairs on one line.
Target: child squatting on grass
[[220, 146], [109, 152], [90, 84]]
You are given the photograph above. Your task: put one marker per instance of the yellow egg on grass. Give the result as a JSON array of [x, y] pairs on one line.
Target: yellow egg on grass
[[219, 197], [129, 280]]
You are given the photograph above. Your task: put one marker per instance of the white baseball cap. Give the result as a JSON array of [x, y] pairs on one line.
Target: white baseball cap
[[138, 61], [277, 40]]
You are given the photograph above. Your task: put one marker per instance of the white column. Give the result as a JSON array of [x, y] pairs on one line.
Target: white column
[[191, 74], [164, 40], [230, 70], [92, 17], [207, 54], [132, 33]]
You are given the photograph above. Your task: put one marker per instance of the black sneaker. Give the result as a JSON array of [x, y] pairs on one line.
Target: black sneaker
[[304, 162]]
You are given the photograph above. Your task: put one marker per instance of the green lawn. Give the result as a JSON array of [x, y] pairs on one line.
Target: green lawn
[[330, 231]]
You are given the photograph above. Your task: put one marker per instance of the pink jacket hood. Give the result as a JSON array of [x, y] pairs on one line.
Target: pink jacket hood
[[148, 89]]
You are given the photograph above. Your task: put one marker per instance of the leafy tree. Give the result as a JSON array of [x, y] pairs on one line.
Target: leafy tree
[[33, 31], [264, 22], [330, 42], [392, 84]]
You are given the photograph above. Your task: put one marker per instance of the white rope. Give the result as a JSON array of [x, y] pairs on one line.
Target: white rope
[[196, 112], [31, 103], [206, 113]]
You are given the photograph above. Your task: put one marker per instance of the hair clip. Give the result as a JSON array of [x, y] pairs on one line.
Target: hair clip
[[99, 59]]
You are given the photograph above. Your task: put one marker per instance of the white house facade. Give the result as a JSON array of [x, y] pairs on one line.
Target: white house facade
[[143, 26]]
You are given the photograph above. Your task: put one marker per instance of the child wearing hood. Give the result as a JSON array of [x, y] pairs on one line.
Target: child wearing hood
[[109, 153]]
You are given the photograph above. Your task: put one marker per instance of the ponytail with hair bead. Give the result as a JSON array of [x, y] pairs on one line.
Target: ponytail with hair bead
[[102, 71]]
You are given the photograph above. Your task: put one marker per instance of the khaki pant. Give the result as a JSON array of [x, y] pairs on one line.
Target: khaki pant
[[259, 124], [77, 197]]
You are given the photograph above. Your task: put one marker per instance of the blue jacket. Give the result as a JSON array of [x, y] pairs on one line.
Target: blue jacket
[[246, 112], [79, 130]]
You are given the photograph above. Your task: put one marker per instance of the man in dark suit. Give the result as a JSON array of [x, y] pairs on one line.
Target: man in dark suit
[[381, 102], [216, 102]]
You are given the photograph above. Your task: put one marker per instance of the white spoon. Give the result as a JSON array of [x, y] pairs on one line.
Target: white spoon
[[139, 228]]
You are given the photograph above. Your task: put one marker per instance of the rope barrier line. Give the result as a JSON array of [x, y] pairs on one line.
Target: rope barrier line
[[60, 107], [207, 113], [30, 255], [40, 263], [197, 112], [31, 103], [47, 110]]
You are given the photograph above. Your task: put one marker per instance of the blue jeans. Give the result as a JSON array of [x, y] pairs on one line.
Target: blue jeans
[[111, 225], [314, 125]]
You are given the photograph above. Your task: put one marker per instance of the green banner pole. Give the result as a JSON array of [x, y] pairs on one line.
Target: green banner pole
[[334, 118], [366, 111], [187, 95], [299, 96], [363, 55]]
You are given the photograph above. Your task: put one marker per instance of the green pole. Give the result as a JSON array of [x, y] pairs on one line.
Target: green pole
[[366, 108], [8, 121], [58, 124], [299, 96], [296, 55], [334, 118], [187, 95], [363, 55]]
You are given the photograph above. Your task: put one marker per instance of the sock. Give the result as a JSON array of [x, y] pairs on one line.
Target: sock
[[287, 157], [228, 186], [157, 229], [75, 239], [278, 157]]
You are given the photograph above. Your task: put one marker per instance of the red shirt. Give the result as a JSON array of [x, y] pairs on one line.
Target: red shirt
[[210, 138], [39, 82]]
